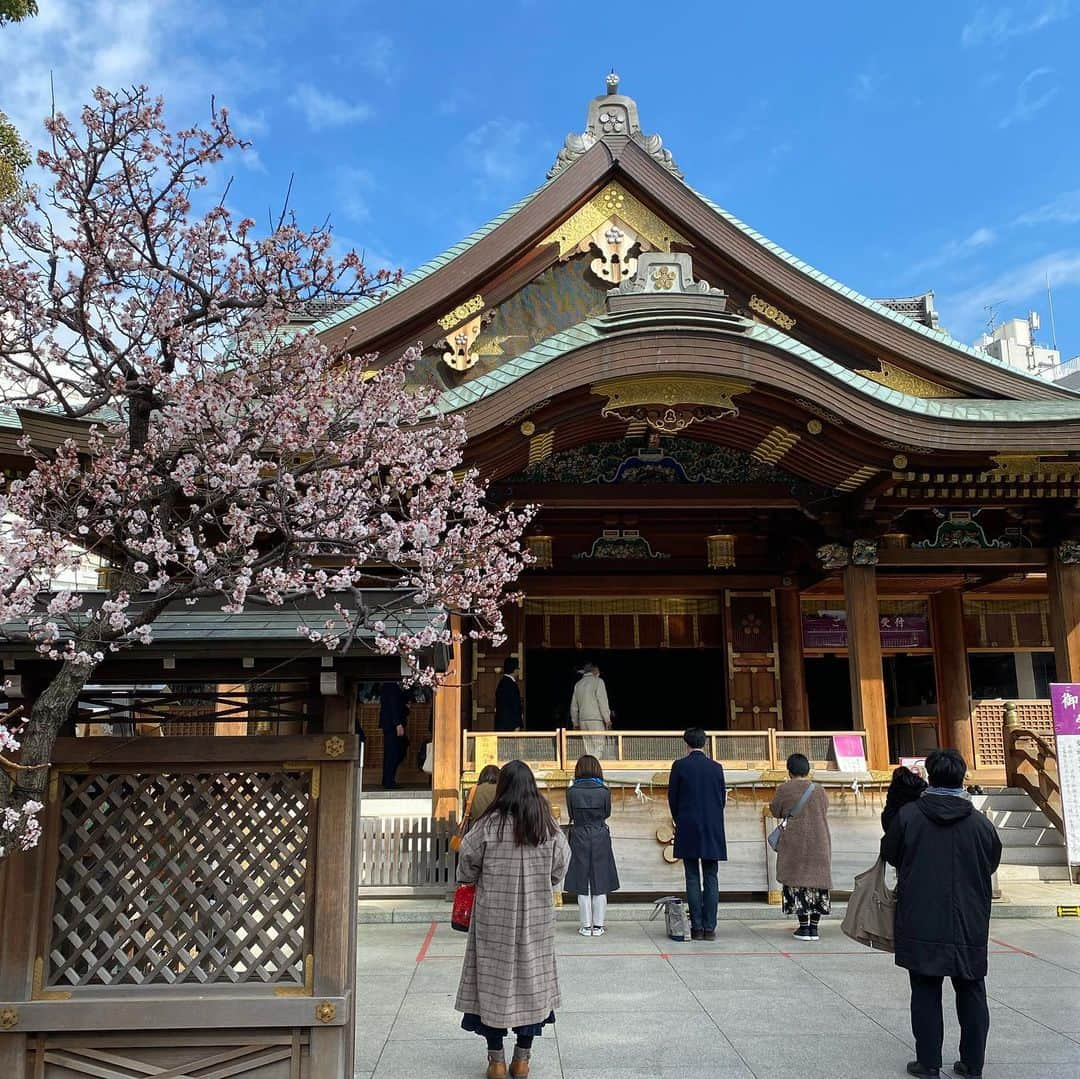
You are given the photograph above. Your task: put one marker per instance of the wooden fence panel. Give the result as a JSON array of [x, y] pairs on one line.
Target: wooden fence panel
[[406, 854]]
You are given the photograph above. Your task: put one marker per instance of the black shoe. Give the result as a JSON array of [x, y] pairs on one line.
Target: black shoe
[[804, 932], [697, 934], [960, 1068], [915, 1068], [709, 934]]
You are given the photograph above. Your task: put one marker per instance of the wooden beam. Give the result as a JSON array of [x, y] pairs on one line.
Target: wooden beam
[[964, 557], [795, 715], [1063, 581], [448, 707], [951, 672], [864, 662]]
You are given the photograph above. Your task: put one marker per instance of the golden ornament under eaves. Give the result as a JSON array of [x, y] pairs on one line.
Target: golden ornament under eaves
[[896, 378], [670, 405]]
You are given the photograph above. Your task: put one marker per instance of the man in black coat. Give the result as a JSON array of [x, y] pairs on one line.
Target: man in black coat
[[508, 698], [696, 797], [945, 854], [393, 712]]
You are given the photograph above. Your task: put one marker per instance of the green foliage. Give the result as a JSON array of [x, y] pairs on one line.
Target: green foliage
[[16, 10], [13, 156]]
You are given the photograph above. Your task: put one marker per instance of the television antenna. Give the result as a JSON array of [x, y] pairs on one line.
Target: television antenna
[[991, 316]]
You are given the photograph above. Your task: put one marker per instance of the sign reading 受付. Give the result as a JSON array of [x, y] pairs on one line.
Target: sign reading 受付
[[1065, 702]]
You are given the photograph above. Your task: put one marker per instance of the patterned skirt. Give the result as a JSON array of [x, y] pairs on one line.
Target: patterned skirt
[[802, 902]]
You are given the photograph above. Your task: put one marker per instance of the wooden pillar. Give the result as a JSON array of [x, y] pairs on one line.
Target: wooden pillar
[[864, 662], [1063, 580], [951, 673], [333, 946], [795, 714], [448, 706]]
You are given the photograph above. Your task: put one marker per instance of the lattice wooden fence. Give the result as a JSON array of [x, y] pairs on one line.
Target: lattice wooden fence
[[189, 913]]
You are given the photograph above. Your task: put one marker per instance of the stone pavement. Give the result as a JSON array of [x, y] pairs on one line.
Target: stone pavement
[[756, 1003]]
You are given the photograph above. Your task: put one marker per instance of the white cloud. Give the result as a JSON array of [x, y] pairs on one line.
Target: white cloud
[[989, 26], [1064, 210], [323, 110], [378, 56], [495, 149], [353, 187], [1028, 102], [966, 309], [955, 250]]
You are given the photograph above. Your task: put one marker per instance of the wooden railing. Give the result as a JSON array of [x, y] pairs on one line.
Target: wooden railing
[[986, 720], [647, 750], [1031, 764]]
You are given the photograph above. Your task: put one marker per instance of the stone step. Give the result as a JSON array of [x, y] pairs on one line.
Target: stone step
[[1017, 873], [1012, 818], [1012, 802], [1033, 856], [1030, 837]]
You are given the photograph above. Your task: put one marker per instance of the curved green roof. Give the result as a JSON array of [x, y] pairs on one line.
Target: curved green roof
[[969, 410]]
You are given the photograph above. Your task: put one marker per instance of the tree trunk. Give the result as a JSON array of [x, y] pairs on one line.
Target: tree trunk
[[48, 715]]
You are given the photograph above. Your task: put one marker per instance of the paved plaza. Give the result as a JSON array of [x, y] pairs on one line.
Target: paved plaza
[[754, 1004]]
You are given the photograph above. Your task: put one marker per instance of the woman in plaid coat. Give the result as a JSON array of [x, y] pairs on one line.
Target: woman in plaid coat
[[514, 854]]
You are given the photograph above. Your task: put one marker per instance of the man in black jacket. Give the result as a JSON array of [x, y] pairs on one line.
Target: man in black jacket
[[945, 854], [696, 798], [508, 698]]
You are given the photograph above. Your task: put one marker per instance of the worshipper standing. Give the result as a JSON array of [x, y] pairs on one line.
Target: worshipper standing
[[508, 711], [804, 855], [589, 709], [906, 786], [483, 793], [393, 713], [515, 854], [945, 854], [696, 798], [592, 874]]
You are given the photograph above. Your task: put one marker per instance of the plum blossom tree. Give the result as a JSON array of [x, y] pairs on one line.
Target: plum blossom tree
[[213, 450]]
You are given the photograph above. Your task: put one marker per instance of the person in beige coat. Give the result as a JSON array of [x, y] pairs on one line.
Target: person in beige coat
[[589, 709], [804, 857], [514, 854]]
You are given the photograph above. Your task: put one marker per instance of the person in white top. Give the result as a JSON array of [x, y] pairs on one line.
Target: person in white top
[[589, 710]]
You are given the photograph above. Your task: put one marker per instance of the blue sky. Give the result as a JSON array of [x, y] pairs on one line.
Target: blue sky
[[931, 145]]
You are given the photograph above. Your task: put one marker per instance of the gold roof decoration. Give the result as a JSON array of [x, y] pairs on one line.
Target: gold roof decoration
[[670, 405], [896, 378], [615, 205], [1033, 467]]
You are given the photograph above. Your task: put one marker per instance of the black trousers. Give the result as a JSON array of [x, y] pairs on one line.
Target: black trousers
[[928, 1025], [393, 755]]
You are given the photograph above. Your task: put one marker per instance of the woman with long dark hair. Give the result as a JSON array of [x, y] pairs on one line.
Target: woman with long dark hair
[[514, 854], [592, 873]]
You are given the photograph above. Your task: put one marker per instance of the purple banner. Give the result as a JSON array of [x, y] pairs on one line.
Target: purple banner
[[1065, 704], [828, 629]]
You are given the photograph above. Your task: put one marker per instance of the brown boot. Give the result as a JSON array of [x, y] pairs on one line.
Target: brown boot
[[496, 1068], [519, 1066]]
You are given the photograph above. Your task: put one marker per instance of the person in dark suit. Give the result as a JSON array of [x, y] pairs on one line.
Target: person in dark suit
[[945, 853], [393, 711], [696, 797], [508, 698]]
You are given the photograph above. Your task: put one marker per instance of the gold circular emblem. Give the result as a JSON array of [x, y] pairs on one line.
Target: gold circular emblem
[[9, 1017], [899, 461], [815, 427], [528, 428], [334, 747], [326, 1012]]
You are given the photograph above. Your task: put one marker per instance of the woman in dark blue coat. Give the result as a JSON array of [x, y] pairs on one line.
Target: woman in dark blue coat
[[696, 797], [592, 873]]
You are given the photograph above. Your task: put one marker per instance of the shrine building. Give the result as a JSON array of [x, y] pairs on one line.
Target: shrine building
[[768, 504]]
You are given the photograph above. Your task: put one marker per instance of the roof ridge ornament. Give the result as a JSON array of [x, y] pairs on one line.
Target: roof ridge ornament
[[612, 115]]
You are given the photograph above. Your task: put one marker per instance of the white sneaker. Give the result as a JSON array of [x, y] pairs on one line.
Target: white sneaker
[[597, 930], [585, 931]]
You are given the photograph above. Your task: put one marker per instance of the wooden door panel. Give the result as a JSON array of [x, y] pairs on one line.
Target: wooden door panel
[[753, 662]]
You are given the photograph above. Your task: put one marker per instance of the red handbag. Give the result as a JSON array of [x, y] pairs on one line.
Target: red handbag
[[461, 912]]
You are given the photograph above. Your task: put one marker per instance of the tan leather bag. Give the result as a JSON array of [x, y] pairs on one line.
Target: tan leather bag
[[463, 827], [871, 910]]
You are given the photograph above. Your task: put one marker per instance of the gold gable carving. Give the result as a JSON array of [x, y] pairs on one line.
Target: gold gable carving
[[896, 378], [670, 405], [616, 205]]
